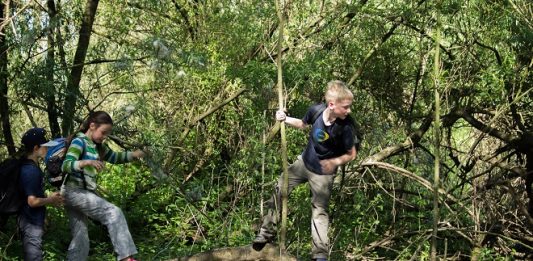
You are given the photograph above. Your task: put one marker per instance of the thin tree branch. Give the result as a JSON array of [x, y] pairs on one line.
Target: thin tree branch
[[425, 183], [496, 53], [376, 46], [186, 19], [173, 150], [411, 142]]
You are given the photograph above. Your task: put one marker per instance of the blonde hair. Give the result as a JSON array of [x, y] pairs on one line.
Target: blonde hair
[[337, 91]]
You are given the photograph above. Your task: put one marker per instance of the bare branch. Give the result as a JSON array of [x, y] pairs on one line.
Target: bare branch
[[496, 53], [411, 142], [173, 151], [425, 183]]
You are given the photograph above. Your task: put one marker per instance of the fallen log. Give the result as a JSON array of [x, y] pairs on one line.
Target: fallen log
[[269, 252]]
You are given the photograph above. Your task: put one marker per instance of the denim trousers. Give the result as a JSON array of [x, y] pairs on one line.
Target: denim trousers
[[83, 204], [32, 239], [320, 186]]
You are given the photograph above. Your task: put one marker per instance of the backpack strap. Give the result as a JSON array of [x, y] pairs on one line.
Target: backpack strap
[[317, 113], [81, 172]]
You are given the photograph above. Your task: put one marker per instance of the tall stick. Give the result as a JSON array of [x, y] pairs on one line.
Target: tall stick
[[436, 176], [285, 183]]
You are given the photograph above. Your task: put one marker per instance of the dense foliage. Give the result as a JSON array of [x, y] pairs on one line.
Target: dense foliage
[[194, 82]]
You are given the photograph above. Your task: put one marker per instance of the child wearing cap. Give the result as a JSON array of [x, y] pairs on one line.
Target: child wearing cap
[[32, 215]]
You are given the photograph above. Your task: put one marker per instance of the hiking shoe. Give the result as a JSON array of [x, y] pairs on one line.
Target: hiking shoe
[[261, 239]]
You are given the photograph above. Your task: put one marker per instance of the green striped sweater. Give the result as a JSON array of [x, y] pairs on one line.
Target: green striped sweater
[[71, 164]]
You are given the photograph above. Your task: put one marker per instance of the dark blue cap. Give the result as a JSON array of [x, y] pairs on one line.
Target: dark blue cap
[[36, 136]]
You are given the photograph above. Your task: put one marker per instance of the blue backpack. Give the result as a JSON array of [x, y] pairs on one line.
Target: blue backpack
[[54, 160]]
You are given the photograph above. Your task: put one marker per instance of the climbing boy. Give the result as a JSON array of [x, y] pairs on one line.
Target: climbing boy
[[331, 144], [32, 214]]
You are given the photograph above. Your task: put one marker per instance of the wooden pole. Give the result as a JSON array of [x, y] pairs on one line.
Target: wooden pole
[[436, 176], [285, 183]]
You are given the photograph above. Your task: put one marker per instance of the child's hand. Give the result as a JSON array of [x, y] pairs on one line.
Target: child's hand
[[138, 154], [99, 165], [56, 199], [328, 166], [281, 115]]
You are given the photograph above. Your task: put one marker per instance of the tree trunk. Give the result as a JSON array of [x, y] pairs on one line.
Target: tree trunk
[[4, 105], [73, 85], [51, 107]]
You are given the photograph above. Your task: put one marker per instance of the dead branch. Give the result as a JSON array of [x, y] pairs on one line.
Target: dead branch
[[208, 151], [244, 253], [508, 138], [521, 206], [411, 142], [425, 183], [443, 227]]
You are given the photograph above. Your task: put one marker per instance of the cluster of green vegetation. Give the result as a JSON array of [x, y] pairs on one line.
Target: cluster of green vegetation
[[194, 82]]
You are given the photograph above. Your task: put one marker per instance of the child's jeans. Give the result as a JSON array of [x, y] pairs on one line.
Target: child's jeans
[[32, 239], [81, 204]]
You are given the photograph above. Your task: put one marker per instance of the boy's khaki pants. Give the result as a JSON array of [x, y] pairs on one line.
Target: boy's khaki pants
[[321, 191]]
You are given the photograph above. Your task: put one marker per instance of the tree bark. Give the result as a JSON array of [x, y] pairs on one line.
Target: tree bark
[[243, 253], [73, 85], [51, 107], [4, 103]]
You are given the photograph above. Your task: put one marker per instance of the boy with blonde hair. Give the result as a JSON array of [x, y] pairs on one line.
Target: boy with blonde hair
[[331, 144]]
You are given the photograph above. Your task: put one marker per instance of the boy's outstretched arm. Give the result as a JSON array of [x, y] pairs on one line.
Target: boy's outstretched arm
[[294, 122]]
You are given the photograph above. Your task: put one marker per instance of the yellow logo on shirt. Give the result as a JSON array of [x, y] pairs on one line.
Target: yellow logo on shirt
[[320, 135]]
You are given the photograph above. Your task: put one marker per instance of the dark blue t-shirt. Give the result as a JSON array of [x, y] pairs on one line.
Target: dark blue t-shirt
[[326, 142], [31, 183]]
